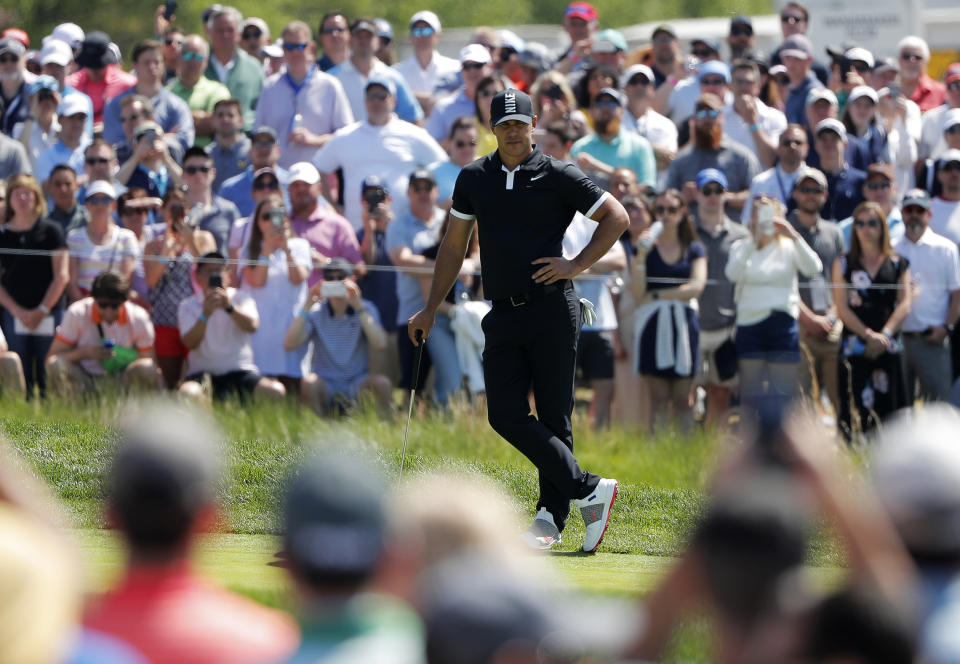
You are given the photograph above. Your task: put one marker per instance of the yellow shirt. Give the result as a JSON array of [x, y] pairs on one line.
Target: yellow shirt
[[486, 141]]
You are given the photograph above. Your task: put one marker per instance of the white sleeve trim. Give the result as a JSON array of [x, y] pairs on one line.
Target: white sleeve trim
[[461, 215], [595, 206]]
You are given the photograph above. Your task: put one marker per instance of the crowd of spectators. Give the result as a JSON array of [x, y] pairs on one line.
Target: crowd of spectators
[[271, 210]]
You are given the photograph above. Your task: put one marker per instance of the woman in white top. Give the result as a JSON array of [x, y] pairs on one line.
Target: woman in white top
[[276, 276], [764, 269], [101, 245]]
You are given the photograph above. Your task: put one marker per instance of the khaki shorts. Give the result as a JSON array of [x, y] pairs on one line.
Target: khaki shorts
[[710, 341]]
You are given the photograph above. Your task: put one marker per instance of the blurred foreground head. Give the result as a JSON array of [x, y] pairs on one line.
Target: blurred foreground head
[[162, 484], [916, 474], [335, 523]]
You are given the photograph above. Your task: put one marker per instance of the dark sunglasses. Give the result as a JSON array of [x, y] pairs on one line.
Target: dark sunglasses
[[639, 79], [109, 304], [859, 67], [554, 92], [471, 66], [463, 144], [661, 210], [914, 209], [252, 34], [712, 81], [911, 57], [790, 142], [955, 128], [868, 223], [379, 96], [268, 216], [741, 31], [171, 42], [130, 210], [792, 20], [193, 170], [96, 161], [99, 200], [712, 191], [810, 190], [782, 80], [421, 188], [744, 81], [263, 144], [608, 105], [702, 52], [6, 58], [332, 31], [188, 56], [874, 186], [293, 46], [265, 186]]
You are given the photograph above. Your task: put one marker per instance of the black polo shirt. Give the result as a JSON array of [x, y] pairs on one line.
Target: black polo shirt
[[521, 215]]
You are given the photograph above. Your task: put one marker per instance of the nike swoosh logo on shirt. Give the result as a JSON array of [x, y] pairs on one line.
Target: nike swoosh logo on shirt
[[537, 177]]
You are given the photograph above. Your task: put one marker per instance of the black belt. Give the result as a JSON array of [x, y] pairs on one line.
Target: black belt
[[531, 295], [921, 333]]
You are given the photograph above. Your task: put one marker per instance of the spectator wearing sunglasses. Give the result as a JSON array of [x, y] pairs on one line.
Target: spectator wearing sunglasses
[[303, 105], [199, 92], [777, 182], [334, 38], [741, 39], [678, 99], [638, 85], [871, 378], [945, 208], [264, 153], [794, 20], [819, 331], [933, 139], [475, 65], [103, 335], [172, 41], [927, 169], [880, 187], [747, 120], [462, 149], [711, 149], [216, 214], [265, 183], [918, 87], [230, 65], [100, 163], [426, 67], [612, 146], [254, 35]]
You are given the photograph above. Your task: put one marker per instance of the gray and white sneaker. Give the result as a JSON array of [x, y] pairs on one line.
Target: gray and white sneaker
[[595, 509], [543, 534]]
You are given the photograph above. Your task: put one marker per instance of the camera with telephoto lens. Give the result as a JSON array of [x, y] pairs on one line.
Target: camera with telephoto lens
[[277, 217], [373, 197]]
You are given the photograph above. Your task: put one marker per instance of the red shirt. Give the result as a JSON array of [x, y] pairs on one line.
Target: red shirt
[[171, 614], [928, 93], [115, 81]]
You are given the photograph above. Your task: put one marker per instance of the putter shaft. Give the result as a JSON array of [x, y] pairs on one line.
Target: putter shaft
[[413, 393]]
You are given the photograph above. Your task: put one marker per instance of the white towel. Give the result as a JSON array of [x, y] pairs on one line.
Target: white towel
[[679, 359], [465, 319]]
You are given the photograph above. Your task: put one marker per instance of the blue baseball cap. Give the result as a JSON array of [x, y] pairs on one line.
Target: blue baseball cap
[[715, 67], [42, 82], [383, 82], [708, 175]]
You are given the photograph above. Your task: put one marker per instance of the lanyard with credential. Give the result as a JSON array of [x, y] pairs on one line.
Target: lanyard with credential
[[297, 87]]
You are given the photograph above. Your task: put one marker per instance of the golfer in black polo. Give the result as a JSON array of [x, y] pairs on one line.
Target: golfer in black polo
[[523, 201]]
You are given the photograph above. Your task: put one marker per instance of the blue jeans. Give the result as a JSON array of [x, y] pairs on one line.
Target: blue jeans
[[31, 348], [442, 346]]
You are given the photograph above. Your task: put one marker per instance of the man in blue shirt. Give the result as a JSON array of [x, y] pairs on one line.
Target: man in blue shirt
[[797, 56], [844, 182], [263, 154]]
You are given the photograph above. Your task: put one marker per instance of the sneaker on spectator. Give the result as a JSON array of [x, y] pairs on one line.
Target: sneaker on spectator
[[595, 509], [543, 534]]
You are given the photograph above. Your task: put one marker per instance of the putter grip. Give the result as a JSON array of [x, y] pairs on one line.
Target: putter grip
[[414, 377]]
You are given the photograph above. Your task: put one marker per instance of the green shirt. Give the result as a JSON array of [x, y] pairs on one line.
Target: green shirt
[[244, 82], [204, 95]]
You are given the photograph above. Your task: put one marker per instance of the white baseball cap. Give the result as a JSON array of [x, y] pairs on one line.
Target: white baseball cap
[[427, 17], [303, 171], [860, 54], [951, 118], [101, 187], [863, 91], [72, 105], [56, 52], [633, 70], [69, 33], [475, 53], [831, 124]]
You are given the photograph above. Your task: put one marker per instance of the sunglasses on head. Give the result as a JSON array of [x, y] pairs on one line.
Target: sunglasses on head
[[789, 18], [188, 56], [707, 113], [422, 31], [868, 223], [293, 46], [471, 66], [109, 304], [662, 210], [712, 190], [193, 170]]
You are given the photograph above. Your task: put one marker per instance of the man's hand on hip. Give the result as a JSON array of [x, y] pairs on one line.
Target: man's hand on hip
[[555, 269]]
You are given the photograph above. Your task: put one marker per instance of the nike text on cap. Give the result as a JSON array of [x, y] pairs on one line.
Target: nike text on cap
[[511, 105]]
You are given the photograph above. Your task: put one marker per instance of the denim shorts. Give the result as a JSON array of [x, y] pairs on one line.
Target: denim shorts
[[773, 339]]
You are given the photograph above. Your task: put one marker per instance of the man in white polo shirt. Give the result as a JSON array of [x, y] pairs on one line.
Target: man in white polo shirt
[[935, 308], [426, 67], [475, 64], [945, 208]]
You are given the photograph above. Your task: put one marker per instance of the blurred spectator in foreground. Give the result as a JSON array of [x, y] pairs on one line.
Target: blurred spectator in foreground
[[871, 382], [102, 335], [335, 317], [669, 272], [161, 494], [336, 539], [216, 324], [31, 287], [935, 307], [487, 89], [918, 87], [275, 274], [764, 268], [717, 363]]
